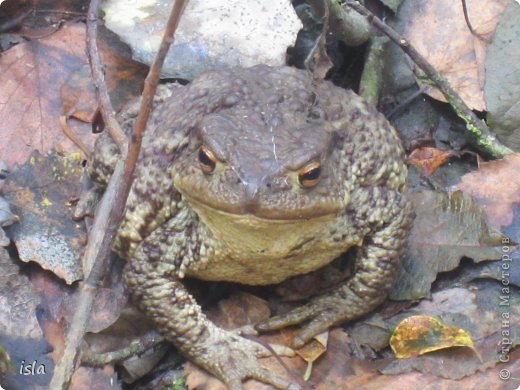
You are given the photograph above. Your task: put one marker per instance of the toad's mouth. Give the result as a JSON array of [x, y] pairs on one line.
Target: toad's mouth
[[264, 210]]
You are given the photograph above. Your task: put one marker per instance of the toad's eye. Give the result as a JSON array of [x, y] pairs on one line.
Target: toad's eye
[[207, 160], [310, 175]]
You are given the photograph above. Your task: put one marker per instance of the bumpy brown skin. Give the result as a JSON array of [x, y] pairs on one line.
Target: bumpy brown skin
[[250, 220]]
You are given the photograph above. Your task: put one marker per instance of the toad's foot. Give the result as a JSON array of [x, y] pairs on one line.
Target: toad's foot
[[320, 314], [233, 359]]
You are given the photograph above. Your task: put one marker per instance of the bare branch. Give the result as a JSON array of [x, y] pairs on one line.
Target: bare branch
[[107, 111], [112, 205], [148, 341]]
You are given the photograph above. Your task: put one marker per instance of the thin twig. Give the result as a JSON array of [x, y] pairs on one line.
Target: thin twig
[[72, 135], [468, 22], [13, 23], [57, 11], [346, 25], [55, 28], [484, 139], [113, 202], [98, 76]]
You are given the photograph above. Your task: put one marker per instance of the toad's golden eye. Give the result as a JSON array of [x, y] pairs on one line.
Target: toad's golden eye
[[310, 175], [207, 160]]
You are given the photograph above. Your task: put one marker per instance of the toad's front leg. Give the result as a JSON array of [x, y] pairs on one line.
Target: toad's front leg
[[177, 315], [374, 271]]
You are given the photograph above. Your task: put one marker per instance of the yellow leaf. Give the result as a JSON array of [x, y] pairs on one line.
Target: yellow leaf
[[418, 335]]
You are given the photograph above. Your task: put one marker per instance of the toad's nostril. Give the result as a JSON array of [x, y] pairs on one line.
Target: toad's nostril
[[250, 191]]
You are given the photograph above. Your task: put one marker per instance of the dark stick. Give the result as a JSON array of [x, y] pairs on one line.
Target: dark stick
[[136, 347], [98, 76]]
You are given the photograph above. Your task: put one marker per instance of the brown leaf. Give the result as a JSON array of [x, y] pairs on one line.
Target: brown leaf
[[496, 187], [94, 378], [79, 95], [311, 351], [123, 76], [31, 75], [239, 310], [438, 30], [428, 159], [107, 307], [56, 299]]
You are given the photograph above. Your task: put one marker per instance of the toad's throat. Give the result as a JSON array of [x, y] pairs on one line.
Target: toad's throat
[[259, 232], [253, 250]]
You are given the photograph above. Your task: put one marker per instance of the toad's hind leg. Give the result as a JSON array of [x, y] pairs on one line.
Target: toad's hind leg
[[375, 268], [163, 298]]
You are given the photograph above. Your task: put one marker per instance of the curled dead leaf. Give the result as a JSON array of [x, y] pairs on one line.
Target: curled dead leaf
[[311, 351], [418, 335], [428, 159]]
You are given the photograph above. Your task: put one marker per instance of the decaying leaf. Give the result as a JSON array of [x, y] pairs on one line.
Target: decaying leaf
[[124, 79], [446, 228], [311, 351], [93, 378], [239, 310], [30, 103], [40, 192], [438, 30], [489, 311], [428, 159], [418, 335], [495, 186]]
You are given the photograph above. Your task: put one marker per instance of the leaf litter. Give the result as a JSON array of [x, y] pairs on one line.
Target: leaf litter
[[345, 363]]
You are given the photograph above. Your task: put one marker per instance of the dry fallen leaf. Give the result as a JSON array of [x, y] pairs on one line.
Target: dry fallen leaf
[[438, 30], [418, 335], [447, 227], [428, 159], [31, 75], [311, 351], [124, 78], [45, 78], [40, 192], [495, 186]]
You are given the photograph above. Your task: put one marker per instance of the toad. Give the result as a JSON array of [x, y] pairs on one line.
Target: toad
[[254, 176]]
